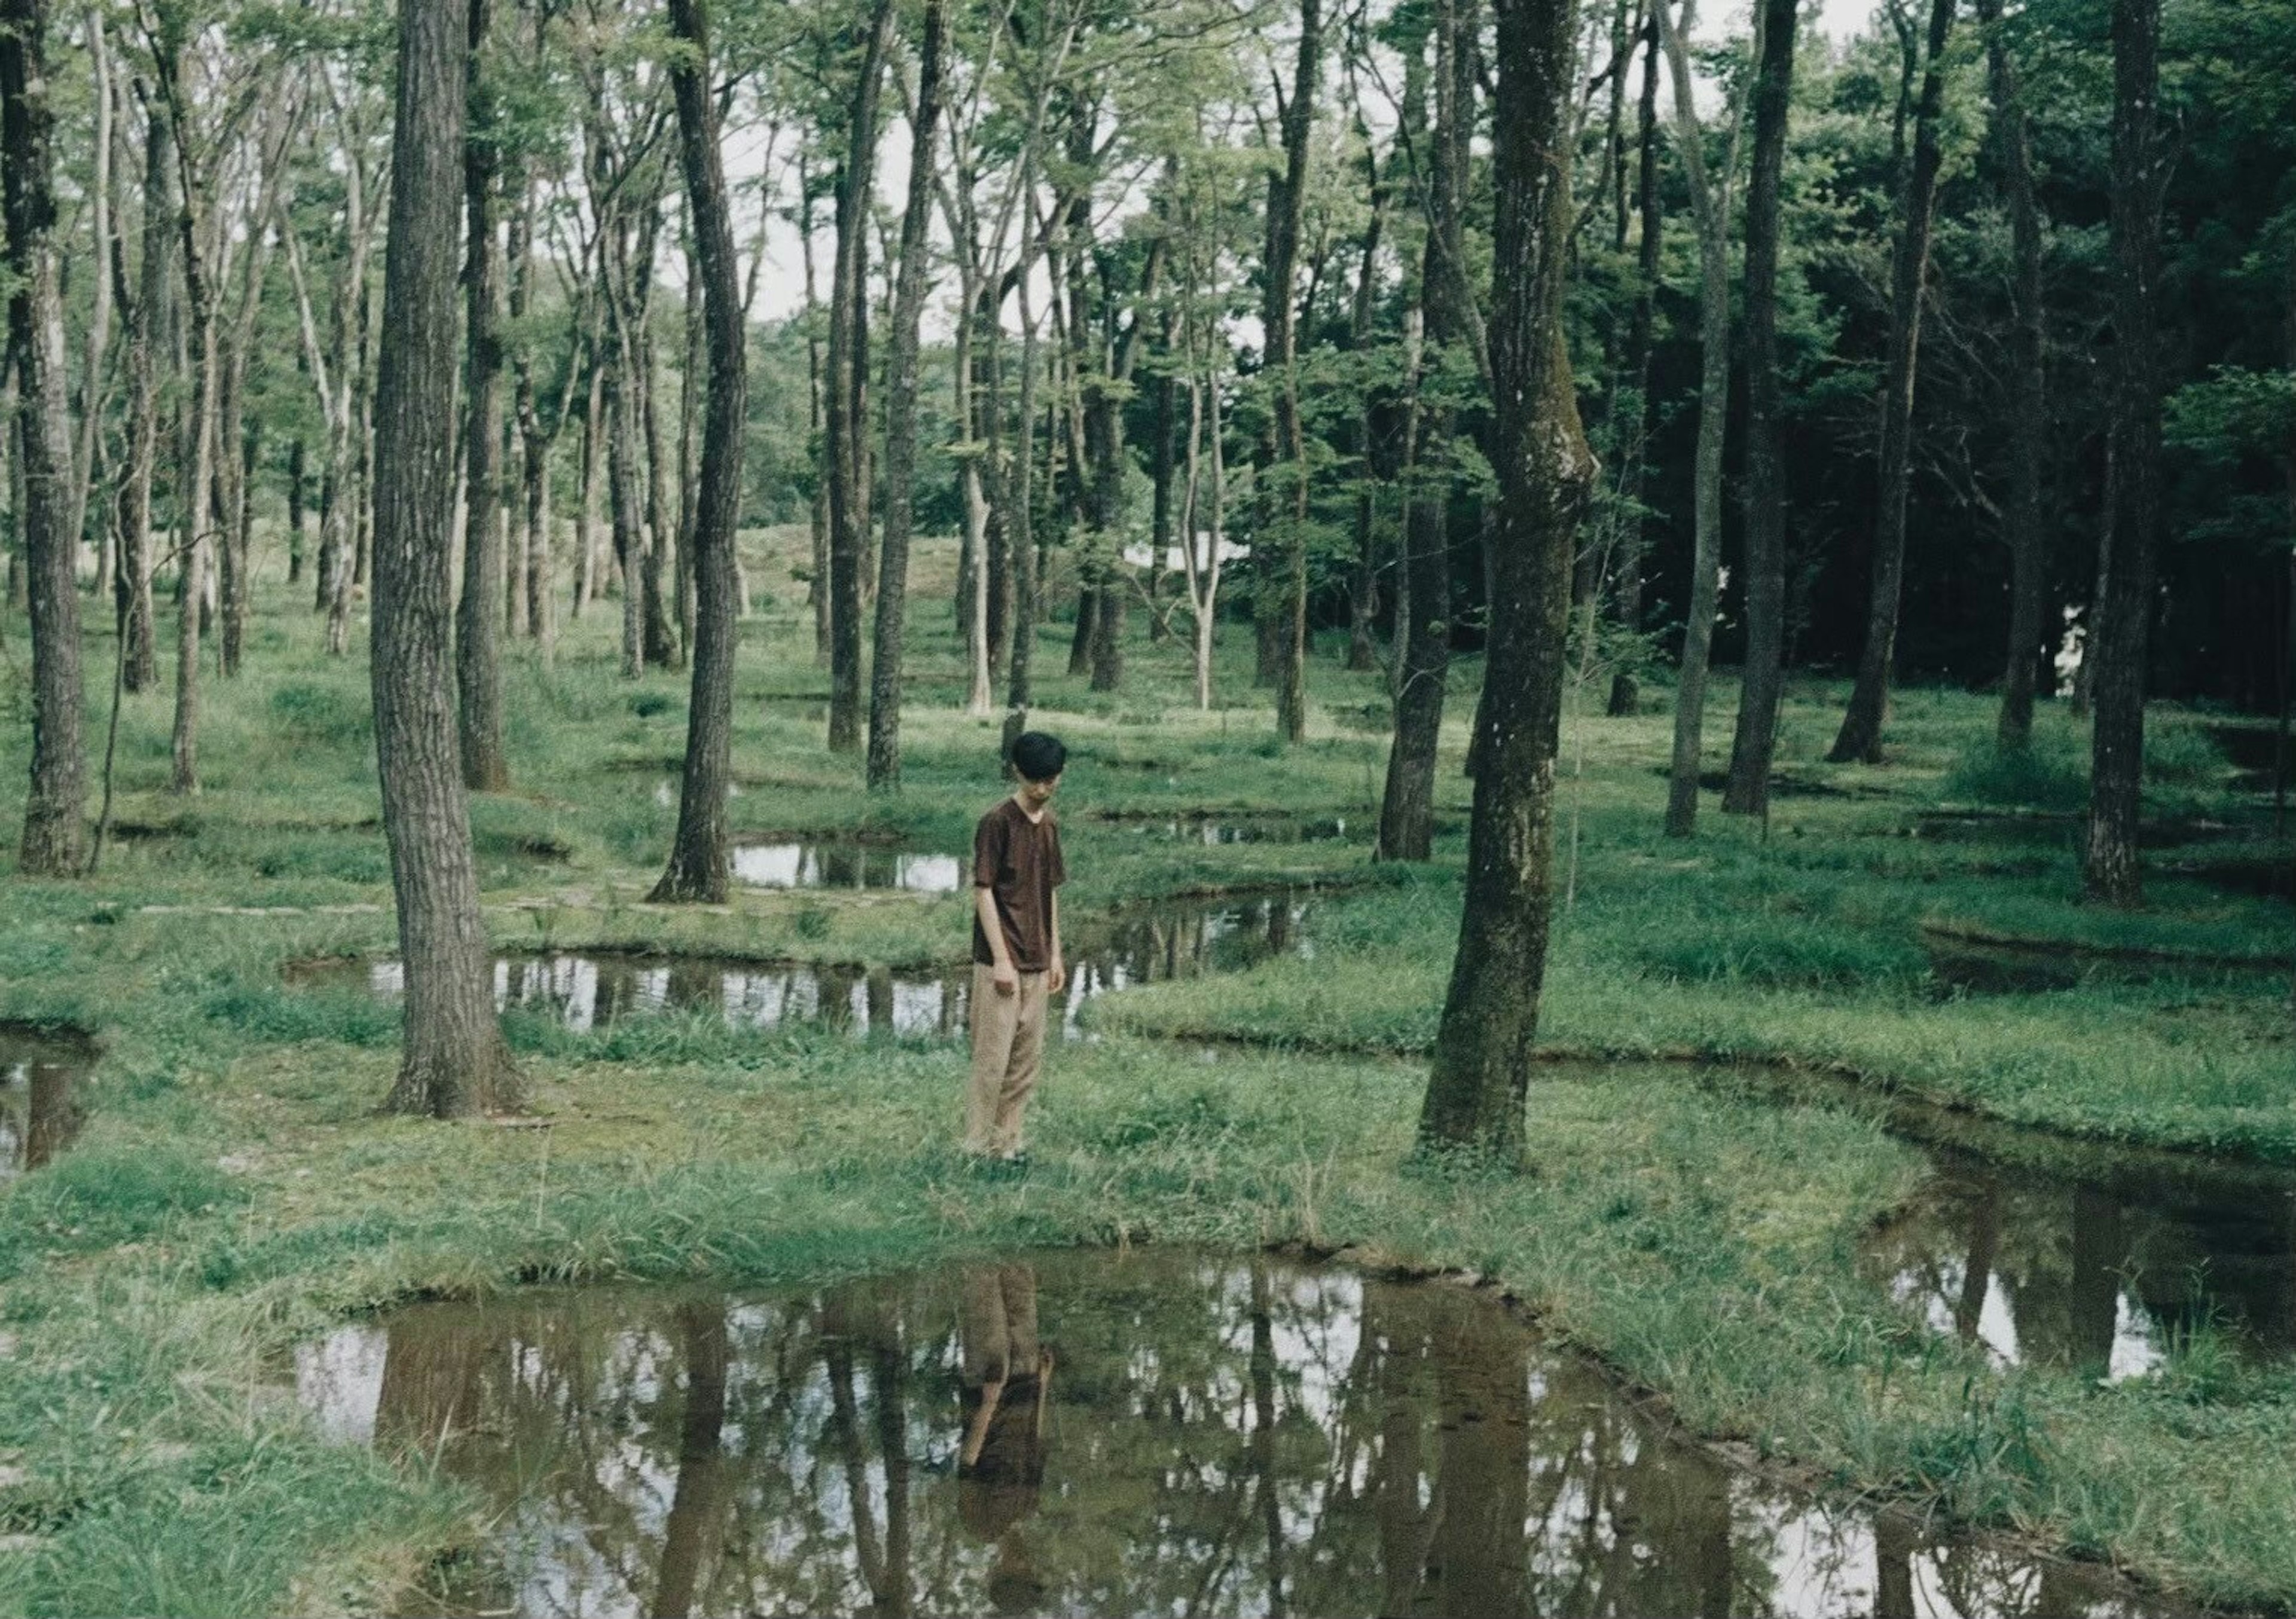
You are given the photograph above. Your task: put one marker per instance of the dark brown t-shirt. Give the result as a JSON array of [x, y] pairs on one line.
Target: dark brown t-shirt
[[1017, 861]]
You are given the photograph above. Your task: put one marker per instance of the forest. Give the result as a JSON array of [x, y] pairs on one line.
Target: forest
[[1673, 631]]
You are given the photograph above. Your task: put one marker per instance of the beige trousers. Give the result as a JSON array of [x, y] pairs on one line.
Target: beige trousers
[[1008, 1049]]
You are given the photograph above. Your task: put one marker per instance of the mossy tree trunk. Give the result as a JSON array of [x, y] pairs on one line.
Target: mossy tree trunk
[[52, 834], [453, 1061], [1754, 743], [700, 858], [2123, 640], [884, 759], [1860, 736], [1482, 1065]]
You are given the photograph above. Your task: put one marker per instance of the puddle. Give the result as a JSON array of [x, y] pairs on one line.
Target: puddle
[[594, 989], [1213, 831], [1149, 1432], [2071, 1253], [40, 1109], [828, 862], [2105, 1271], [2066, 828]]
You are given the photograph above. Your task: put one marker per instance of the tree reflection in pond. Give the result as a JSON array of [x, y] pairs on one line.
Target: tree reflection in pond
[[1166, 1433]]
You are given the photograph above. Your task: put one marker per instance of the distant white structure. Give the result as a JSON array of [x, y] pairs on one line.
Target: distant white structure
[[1176, 559]]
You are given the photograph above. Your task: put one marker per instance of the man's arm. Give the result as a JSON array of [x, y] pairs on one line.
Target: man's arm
[[1059, 978], [992, 927]]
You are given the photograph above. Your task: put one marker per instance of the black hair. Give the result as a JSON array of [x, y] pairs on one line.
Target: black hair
[[1038, 755]]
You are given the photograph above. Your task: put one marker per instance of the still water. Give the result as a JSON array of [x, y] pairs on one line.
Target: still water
[[1151, 1433], [591, 990], [40, 1102]]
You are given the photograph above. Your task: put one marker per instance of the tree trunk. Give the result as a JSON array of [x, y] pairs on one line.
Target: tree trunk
[[477, 626], [622, 499], [586, 522], [661, 646], [144, 324], [296, 528], [194, 499], [1625, 691], [1363, 595], [817, 588], [1287, 196], [100, 265], [1711, 208], [1755, 743], [884, 762], [51, 839], [453, 1061], [701, 859], [1422, 611], [2028, 403], [1020, 524], [2122, 643], [691, 386], [845, 409], [1860, 736], [1481, 1066]]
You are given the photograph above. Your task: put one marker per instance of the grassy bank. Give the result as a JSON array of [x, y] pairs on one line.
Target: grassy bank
[[234, 1190]]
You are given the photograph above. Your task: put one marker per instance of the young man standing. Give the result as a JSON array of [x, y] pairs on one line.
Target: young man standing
[[1017, 968]]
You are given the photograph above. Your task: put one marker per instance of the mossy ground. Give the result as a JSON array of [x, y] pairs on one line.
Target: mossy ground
[[234, 1188]]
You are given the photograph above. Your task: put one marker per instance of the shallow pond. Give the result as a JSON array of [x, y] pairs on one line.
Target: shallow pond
[[2105, 1263], [40, 1102], [834, 863], [590, 990], [2047, 1249], [1149, 1432]]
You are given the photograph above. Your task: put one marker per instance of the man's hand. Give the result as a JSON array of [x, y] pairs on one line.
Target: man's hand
[[1057, 979], [1008, 981]]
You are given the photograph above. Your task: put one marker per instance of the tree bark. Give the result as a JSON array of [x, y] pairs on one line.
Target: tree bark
[[101, 266], [846, 410], [1860, 736], [144, 324], [1625, 691], [1362, 596], [701, 859], [52, 834], [1423, 614], [194, 500], [296, 528], [2122, 642], [1021, 484], [1711, 208], [2028, 401], [817, 588], [453, 1061], [884, 761], [1287, 195], [1481, 1066], [477, 626], [1755, 742]]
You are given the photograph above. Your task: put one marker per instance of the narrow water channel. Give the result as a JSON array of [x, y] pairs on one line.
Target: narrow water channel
[[1151, 1433], [40, 1109], [593, 989]]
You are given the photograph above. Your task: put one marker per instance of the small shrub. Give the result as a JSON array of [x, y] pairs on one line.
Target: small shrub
[[311, 713], [2049, 773], [648, 705]]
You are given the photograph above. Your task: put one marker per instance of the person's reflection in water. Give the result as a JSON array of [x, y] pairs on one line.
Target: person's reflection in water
[[1008, 1375]]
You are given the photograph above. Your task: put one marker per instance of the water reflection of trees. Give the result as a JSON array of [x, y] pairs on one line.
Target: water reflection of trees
[[40, 1102], [1222, 1436], [2094, 1276]]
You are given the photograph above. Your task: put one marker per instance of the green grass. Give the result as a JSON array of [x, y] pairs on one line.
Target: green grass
[[235, 1190]]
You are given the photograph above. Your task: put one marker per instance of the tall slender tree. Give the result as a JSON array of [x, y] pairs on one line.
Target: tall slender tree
[[1625, 691], [1287, 195], [453, 1061], [2029, 424], [1860, 736], [700, 861], [2122, 642], [478, 626], [53, 832], [1481, 1067], [1755, 741], [1710, 210], [845, 409], [1407, 820], [885, 760]]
